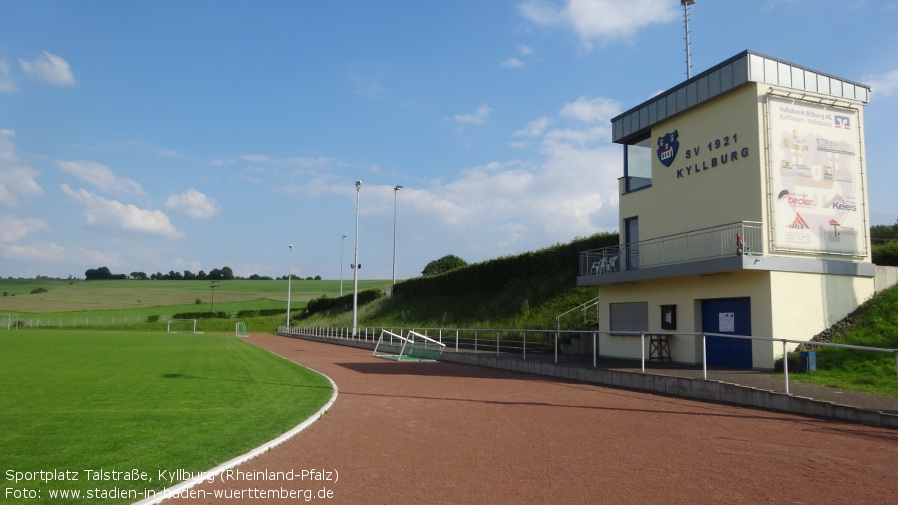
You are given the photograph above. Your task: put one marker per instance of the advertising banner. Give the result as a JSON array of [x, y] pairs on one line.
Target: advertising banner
[[816, 178]]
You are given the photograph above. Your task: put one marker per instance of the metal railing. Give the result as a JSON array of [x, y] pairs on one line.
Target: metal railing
[[488, 340], [582, 308], [744, 237], [61, 322]]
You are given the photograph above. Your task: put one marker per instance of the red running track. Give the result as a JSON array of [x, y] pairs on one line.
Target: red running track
[[443, 433]]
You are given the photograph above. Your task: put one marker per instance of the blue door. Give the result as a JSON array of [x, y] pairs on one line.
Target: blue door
[[728, 315]]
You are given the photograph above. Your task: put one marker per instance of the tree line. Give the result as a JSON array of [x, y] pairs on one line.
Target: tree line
[[216, 274]]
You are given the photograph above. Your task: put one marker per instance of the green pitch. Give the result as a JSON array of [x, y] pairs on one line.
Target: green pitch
[[138, 404]]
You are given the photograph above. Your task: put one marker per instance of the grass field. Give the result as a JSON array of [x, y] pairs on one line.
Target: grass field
[[67, 299], [151, 402]]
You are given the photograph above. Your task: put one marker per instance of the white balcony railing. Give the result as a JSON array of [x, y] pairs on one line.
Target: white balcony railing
[[726, 240]]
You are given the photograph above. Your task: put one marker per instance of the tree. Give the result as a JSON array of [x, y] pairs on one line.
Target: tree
[[97, 273], [444, 264], [227, 274], [881, 233]]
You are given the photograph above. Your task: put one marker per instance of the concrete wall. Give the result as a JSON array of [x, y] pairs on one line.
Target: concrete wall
[[886, 277]]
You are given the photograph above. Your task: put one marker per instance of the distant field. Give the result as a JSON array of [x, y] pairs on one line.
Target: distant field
[[133, 297], [122, 401]]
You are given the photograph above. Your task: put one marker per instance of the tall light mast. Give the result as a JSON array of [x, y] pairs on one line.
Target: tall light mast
[[686, 4]]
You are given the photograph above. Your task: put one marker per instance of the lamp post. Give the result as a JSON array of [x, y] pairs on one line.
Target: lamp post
[[289, 279], [342, 241], [355, 265], [395, 193]]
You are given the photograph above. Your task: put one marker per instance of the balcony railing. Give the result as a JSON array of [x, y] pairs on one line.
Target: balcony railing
[[726, 240]]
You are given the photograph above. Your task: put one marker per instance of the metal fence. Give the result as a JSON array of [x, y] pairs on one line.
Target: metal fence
[[518, 342], [727, 240], [15, 322]]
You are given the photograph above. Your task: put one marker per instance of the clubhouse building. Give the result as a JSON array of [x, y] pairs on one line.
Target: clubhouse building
[[743, 210]]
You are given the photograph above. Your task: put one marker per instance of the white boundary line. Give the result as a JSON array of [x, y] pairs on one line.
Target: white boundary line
[[227, 465]]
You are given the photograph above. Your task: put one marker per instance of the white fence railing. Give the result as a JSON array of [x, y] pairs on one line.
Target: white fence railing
[[60, 322], [516, 341]]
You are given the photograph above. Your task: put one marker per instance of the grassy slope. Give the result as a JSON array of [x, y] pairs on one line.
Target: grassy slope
[[875, 324], [533, 303]]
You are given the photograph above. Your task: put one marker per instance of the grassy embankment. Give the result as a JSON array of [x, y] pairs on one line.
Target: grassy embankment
[[873, 324]]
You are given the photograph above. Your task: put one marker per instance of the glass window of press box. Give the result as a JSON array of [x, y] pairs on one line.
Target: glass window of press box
[[638, 164]]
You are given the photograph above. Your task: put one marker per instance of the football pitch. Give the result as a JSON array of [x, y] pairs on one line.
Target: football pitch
[[112, 415]]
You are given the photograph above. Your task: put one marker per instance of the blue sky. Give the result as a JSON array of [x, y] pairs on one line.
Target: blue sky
[[192, 135]]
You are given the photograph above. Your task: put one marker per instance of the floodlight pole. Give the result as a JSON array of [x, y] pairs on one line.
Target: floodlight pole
[[395, 193], [686, 4], [289, 279], [355, 265], [342, 241]]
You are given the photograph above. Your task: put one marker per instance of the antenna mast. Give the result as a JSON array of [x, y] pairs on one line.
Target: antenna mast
[[686, 4]]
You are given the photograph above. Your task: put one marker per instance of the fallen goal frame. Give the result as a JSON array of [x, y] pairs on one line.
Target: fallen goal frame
[[413, 347]]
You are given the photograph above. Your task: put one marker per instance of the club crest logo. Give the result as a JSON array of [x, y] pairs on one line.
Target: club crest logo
[[667, 148]]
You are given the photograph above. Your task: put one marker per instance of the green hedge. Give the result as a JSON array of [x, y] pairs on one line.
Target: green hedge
[[493, 275], [886, 254], [259, 313], [326, 303], [201, 315]]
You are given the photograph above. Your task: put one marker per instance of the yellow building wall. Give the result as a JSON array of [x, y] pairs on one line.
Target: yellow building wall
[[686, 293], [699, 190], [784, 305], [803, 305]]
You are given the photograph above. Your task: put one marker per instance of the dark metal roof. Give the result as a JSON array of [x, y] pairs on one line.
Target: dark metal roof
[[743, 68]]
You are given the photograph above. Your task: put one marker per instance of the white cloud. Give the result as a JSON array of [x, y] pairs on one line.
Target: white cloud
[[16, 177], [502, 207], [7, 85], [883, 85], [49, 68], [111, 215], [534, 129], [193, 204], [101, 177], [515, 62], [601, 20], [12, 229], [596, 110], [50, 252], [478, 117], [34, 252]]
